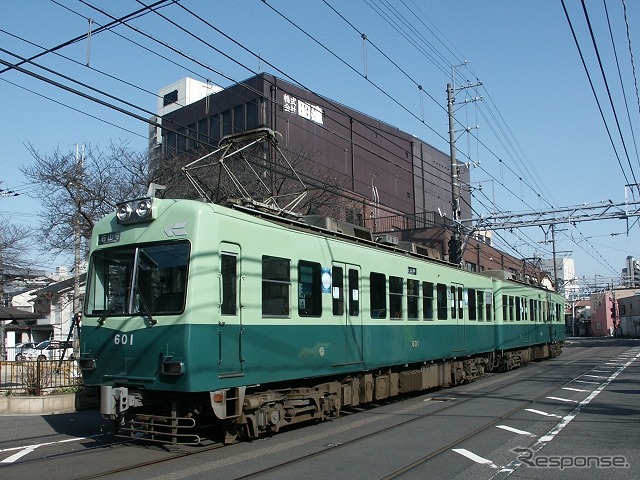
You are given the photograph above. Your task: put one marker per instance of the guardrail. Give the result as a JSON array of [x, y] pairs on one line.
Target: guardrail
[[39, 377]]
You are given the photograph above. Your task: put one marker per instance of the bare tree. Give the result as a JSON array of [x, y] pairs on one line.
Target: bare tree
[[78, 187]]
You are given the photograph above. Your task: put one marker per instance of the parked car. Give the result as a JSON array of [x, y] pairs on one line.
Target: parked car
[[49, 350], [21, 347]]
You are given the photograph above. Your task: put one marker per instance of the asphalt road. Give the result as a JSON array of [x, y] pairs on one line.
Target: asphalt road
[[575, 416]]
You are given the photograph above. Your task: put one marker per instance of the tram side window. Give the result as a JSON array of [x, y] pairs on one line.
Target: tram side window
[[489, 304], [337, 290], [511, 309], [471, 297], [532, 310], [518, 309], [441, 300], [229, 271], [453, 302], [276, 282], [396, 292], [413, 298], [460, 303], [354, 293], [480, 296], [427, 300], [378, 295], [309, 289], [505, 308]]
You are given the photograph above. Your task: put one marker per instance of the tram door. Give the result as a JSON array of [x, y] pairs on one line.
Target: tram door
[[458, 310], [345, 292], [229, 329]]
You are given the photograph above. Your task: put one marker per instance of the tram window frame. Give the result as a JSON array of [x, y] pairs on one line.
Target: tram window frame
[[511, 308], [229, 279], [413, 299], [489, 306], [505, 308], [309, 289], [378, 298], [480, 305], [396, 297], [427, 301], [276, 286], [453, 297], [472, 307], [337, 290], [442, 301], [354, 293]]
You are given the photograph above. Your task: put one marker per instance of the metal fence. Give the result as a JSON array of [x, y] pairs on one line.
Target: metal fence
[[39, 377]]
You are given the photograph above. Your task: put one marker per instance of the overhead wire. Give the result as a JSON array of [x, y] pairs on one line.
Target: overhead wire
[[381, 52]]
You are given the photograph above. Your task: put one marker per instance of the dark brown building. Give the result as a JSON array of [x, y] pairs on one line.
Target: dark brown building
[[402, 183]]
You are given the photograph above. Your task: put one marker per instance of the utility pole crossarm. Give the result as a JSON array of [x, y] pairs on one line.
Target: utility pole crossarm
[[582, 213]]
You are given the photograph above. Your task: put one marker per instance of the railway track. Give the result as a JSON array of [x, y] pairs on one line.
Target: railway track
[[441, 403]]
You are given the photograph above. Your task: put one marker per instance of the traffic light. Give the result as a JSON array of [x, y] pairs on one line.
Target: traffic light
[[455, 250]]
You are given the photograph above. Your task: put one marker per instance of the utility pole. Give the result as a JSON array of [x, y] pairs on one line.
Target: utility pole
[[455, 243], [555, 265], [76, 237]]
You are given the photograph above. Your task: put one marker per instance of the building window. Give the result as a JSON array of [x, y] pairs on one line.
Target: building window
[[214, 128], [275, 286], [252, 115], [192, 135], [238, 119], [170, 143], [203, 131], [169, 98], [181, 140], [226, 123]]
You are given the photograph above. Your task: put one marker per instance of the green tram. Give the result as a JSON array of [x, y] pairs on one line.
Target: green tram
[[198, 313]]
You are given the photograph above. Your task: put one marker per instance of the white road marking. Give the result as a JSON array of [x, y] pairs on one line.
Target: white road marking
[[575, 389], [540, 412], [515, 430], [568, 400], [476, 458], [551, 434], [30, 448]]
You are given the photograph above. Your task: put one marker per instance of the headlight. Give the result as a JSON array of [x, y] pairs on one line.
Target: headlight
[[143, 208], [135, 211], [123, 212]]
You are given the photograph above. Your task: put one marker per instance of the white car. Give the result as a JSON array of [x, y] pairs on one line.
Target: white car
[[21, 347], [49, 350]]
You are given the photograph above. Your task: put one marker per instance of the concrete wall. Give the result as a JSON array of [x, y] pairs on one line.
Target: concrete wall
[[44, 405]]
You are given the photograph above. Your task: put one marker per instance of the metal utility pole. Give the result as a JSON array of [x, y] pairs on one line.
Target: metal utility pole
[[76, 236], [455, 243]]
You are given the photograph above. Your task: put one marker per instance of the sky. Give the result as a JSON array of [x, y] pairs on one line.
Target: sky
[[529, 125]]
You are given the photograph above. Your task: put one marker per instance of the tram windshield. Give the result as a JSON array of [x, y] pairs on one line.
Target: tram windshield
[[147, 280]]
